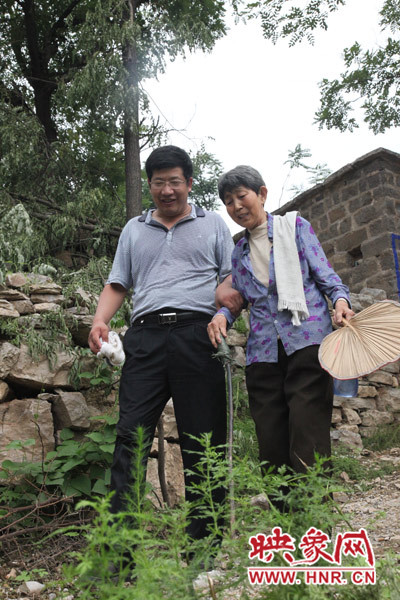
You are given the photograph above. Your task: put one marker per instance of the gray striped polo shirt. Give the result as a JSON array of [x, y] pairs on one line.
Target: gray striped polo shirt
[[177, 268]]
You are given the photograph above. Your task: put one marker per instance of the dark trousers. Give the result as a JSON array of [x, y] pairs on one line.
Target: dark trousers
[[291, 404], [163, 361]]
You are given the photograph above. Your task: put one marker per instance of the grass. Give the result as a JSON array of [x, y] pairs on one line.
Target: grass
[[385, 436]]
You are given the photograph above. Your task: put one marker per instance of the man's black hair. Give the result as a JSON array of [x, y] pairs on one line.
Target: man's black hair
[[168, 157]]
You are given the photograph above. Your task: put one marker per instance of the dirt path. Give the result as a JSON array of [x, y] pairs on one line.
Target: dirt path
[[377, 508]]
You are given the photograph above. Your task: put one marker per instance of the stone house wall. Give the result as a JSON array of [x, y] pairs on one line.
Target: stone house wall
[[354, 212]]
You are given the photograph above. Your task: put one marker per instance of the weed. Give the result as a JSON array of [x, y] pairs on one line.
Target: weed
[[385, 436]]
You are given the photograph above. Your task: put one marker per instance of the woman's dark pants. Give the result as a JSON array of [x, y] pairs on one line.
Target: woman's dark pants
[[291, 404]]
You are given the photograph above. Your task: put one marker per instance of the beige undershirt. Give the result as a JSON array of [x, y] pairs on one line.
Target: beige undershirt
[[260, 248]]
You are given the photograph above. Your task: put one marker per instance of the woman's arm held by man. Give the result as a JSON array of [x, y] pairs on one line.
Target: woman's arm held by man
[[342, 310], [111, 299], [216, 329], [226, 295]]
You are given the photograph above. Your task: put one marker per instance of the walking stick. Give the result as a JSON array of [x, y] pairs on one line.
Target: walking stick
[[224, 355]]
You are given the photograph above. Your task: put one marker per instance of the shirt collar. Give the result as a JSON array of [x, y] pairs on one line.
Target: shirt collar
[[196, 211]]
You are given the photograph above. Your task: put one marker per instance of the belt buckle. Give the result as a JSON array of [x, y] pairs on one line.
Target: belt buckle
[[167, 318]]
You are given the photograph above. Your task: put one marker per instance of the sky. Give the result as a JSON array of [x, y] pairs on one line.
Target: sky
[[250, 102]]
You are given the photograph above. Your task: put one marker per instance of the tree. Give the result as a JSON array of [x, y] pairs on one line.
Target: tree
[[76, 66], [372, 77]]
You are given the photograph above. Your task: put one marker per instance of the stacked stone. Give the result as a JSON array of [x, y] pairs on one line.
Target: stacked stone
[[37, 399]]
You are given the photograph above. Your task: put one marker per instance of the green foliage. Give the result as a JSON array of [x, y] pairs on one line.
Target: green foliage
[[75, 468], [298, 21], [44, 334], [206, 170], [371, 79], [385, 436], [317, 174], [240, 325]]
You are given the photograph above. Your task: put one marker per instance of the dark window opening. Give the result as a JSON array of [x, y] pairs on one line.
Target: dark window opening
[[356, 256]]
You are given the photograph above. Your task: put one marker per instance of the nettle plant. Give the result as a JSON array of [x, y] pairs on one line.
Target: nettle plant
[[75, 469]]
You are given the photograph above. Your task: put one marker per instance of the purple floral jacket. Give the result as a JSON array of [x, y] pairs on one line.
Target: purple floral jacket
[[266, 323]]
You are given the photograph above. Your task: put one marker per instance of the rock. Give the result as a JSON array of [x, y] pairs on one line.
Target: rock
[[348, 438], [366, 391], [336, 415], [343, 475], [32, 588], [23, 307], [7, 310], [169, 422], [9, 294], [236, 339], [80, 326], [6, 393], [371, 418], [391, 399], [70, 410], [393, 367], [340, 497], [43, 298], [173, 476], [351, 416], [46, 307], [8, 357], [337, 401], [47, 287], [202, 581], [381, 377], [23, 420], [238, 356], [37, 374], [360, 403], [261, 501], [375, 294], [84, 298], [16, 280]]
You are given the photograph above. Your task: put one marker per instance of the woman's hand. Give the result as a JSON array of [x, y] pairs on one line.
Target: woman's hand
[[216, 328], [342, 309]]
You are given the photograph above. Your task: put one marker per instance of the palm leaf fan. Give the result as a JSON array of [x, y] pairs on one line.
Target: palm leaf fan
[[366, 342]]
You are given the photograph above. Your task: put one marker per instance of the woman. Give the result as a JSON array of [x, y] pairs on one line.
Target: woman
[[281, 270]]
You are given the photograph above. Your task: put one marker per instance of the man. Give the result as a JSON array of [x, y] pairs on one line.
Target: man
[[173, 257]]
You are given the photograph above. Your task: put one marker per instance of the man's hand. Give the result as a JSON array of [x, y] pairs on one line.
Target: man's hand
[[341, 310], [216, 328], [225, 295], [99, 330], [111, 299]]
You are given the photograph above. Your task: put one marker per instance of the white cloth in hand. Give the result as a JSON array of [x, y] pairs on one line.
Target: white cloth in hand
[[112, 350]]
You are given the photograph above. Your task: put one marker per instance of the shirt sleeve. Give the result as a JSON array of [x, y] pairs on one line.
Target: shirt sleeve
[[121, 271], [224, 248], [327, 280]]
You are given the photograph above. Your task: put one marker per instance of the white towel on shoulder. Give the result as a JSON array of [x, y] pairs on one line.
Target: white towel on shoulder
[[289, 281]]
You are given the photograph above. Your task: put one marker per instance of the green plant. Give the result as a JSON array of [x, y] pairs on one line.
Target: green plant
[[240, 325], [75, 469], [385, 436], [43, 334]]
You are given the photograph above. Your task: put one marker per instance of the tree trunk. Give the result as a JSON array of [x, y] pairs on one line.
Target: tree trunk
[[133, 178]]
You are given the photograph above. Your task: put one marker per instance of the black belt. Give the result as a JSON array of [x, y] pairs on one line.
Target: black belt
[[169, 318]]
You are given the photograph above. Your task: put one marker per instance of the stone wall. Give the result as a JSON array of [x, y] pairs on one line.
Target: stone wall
[[354, 212], [38, 399]]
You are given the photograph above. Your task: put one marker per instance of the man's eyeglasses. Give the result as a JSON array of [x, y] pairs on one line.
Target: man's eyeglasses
[[158, 184]]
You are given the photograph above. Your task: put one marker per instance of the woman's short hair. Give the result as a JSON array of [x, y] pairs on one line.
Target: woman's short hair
[[242, 175], [168, 157]]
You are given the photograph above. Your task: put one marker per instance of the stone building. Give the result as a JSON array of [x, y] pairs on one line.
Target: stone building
[[356, 214]]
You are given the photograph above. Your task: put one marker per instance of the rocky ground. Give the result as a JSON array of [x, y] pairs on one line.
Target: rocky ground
[[371, 504]]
